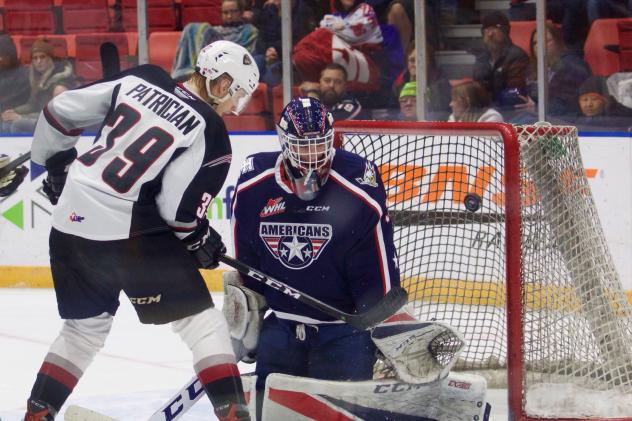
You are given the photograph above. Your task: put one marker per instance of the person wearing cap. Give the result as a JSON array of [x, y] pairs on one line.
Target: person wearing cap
[[599, 110], [47, 77], [503, 66], [14, 81], [408, 102]]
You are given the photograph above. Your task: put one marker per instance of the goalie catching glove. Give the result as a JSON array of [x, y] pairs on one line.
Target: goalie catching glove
[[10, 182], [419, 352], [57, 167], [205, 244], [244, 310]]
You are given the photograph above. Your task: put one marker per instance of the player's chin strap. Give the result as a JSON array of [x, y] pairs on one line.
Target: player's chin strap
[[419, 352]]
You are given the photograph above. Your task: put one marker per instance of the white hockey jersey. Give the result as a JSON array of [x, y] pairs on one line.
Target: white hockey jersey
[[159, 157]]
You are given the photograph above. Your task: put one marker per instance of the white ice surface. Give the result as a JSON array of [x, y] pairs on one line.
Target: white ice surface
[[140, 367]]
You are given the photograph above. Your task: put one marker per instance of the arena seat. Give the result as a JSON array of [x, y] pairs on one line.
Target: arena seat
[[201, 11], [247, 123], [603, 32], [161, 15], [520, 34], [79, 16], [277, 100], [259, 102], [625, 46], [29, 17], [162, 48], [88, 55]]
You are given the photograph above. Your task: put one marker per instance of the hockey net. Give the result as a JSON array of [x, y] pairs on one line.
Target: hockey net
[[497, 234]]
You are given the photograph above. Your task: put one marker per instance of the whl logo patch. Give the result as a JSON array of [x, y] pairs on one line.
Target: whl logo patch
[[296, 246], [273, 207]]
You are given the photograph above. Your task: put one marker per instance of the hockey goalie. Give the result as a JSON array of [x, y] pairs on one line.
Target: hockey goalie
[[411, 381]]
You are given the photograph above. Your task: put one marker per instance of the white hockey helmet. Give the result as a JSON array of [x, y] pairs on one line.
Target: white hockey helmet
[[221, 57]]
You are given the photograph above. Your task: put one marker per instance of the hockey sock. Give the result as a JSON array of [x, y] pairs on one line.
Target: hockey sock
[[69, 356], [53, 384], [206, 334], [222, 385]]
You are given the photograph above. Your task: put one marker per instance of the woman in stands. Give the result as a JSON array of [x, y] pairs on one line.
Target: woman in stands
[[471, 102], [438, 92], [47, 77], [567, 70]]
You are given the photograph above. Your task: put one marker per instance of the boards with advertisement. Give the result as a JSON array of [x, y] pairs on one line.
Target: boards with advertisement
[[25, 215]]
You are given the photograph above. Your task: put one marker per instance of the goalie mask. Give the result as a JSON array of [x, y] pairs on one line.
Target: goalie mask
[[306, 134], [225, 57]]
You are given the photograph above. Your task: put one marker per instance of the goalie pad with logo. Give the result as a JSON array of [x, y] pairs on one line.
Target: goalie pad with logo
[[419, 352], [244, 310], [458, 397]]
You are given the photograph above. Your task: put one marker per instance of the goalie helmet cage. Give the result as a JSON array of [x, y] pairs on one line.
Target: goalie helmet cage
[[497, 234]]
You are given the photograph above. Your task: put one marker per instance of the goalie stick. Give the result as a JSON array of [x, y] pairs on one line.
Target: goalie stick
[[186, 397], [14, 164], [386, 307]]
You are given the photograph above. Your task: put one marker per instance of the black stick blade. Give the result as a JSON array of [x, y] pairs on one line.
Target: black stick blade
[[385, 308]]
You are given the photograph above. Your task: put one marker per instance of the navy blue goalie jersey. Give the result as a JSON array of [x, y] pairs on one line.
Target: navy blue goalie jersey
[[337, 248]]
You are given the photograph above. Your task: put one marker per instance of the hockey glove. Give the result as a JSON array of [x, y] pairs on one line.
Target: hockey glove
[[57, 167], [205, 244], [10, 182]]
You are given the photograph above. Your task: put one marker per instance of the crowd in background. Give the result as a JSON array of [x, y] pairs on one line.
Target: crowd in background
[[358, 57]]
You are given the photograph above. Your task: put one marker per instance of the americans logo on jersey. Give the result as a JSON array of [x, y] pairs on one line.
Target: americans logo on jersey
[[295, 245]]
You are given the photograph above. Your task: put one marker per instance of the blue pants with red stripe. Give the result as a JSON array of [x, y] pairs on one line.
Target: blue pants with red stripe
[[327, 352]]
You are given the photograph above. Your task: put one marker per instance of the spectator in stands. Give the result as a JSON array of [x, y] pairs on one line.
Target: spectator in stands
[[352, 37], [572, 15], [502, 68], [471, 102], [438, 90], [269, 49], [599, 110], [608, 9], [567, 70], [408, 102], [332, 92], [47, 76], [196, 35], [14, 79]]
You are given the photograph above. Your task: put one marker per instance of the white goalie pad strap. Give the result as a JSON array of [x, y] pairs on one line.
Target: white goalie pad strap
[[420, 352], [458, 397]]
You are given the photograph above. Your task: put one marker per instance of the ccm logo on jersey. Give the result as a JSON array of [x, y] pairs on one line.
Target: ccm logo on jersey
[[145, 300], [317, 208], [273, 207], [296, 246]]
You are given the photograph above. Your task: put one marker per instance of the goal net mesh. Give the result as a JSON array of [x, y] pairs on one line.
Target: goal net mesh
[[446, 197]]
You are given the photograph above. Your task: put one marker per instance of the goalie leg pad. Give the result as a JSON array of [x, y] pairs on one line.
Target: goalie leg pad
[[458, 397], [420, 352]]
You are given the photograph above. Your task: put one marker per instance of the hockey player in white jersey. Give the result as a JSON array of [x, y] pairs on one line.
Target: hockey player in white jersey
[[130, 215]]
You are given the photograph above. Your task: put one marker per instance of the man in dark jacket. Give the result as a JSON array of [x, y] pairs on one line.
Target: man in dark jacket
[[502, 67], [14, 78]]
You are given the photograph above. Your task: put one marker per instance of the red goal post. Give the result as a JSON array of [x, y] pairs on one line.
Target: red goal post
[[497, 234]]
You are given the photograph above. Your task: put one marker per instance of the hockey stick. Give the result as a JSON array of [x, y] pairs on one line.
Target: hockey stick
[[188, 395], [171, 410], [14, 164], [386, 307]]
